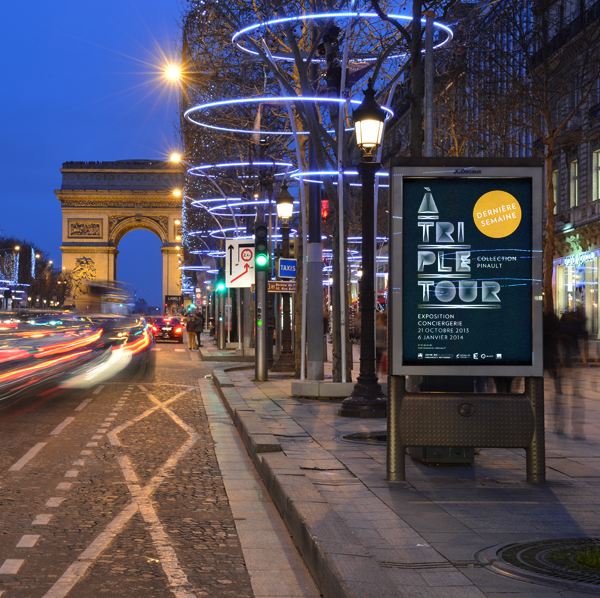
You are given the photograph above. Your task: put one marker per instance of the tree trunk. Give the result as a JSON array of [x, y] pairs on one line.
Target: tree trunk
[[416, 74], [549, 243]]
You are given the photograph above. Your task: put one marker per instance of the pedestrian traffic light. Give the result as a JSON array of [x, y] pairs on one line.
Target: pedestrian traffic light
[[220, 284], [261, 246]]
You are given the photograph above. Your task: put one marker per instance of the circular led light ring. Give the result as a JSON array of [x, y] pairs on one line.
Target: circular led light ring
[[199, 203], [299, 175], [266, 100], [202, 170], [238, 36]]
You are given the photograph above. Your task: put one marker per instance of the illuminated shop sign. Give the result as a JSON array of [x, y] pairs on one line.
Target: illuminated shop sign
[[579, 259]]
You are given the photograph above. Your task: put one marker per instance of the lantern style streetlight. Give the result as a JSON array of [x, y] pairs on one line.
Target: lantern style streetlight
[[368, 124], [367, 398], [285, 209]]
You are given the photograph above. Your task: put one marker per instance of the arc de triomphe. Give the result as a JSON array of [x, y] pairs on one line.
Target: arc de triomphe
[[102, 201]]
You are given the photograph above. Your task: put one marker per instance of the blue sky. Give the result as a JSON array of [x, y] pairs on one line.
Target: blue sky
[[81, 82]]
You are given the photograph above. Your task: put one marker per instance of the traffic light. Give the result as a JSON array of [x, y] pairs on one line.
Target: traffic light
[[220, 284], [261, 246]]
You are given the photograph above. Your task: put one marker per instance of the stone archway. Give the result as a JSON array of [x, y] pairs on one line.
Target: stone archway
[[103, 201]]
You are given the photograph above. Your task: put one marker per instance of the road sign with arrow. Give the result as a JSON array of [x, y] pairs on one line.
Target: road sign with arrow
[[239, 263]]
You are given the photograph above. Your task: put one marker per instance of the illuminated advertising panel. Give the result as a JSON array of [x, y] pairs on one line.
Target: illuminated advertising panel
[[465, 266]]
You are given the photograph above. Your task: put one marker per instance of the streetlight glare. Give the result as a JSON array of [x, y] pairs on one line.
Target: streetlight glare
[[17, 247], [177, 192], [175, 157], [173, 72]]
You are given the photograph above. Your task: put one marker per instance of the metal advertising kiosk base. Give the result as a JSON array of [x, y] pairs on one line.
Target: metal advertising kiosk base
[[467, 420]]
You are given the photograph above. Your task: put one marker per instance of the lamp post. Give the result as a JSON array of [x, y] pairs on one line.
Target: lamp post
[[367, 398], [285, 208]]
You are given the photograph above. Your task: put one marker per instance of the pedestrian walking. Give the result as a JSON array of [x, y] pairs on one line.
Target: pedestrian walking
[[571, 407], [190, 328], [199, 327]]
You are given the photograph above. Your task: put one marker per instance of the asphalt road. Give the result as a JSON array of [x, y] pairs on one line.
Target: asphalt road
[[116, 491]]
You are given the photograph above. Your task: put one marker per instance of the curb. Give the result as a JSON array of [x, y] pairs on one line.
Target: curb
[[226, 355], [338, 562]]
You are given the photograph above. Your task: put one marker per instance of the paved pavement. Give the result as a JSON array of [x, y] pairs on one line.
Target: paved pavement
[[138, 487], [364, 537]]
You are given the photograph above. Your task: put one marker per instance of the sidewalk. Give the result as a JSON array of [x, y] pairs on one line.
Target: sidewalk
[[425, 538]]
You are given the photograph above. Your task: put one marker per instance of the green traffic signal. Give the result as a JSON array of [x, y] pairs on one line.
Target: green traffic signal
[[261, 246], [220, 286]]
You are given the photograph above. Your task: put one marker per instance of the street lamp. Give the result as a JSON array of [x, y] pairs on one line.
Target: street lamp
[[173, 72], [367, 398], [285, 209]]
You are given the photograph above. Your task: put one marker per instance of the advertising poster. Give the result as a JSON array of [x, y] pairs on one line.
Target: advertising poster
[[467, 282]]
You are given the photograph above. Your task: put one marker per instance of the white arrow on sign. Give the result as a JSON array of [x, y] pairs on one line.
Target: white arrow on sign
[[239, 263]]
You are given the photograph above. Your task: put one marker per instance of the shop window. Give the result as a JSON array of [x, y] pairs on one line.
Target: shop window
[[574, 180], [596, 175]]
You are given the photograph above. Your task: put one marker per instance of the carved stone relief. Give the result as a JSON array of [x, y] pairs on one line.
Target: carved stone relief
[[85, 269], [85, 228]]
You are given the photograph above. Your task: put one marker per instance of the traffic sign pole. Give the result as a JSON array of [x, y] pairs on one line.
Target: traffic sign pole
[[261, 371]]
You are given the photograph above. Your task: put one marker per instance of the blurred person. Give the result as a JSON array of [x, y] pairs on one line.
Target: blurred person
[[381, 342], [199, 327], [191, 332], [573, 335]]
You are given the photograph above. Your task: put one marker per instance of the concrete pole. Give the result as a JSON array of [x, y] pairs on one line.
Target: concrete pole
[[314, 264]]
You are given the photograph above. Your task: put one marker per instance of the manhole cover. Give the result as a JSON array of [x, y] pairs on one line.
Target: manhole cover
[[378, 437], [567, 562]]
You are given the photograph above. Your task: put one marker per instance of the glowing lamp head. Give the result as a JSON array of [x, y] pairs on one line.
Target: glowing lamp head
[[175, 158], [177, 192], [17, 248], [173, 72], [178, 222], [285, 204], [368, 123]]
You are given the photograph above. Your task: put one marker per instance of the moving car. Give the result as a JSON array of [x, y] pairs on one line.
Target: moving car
[[168, 329]]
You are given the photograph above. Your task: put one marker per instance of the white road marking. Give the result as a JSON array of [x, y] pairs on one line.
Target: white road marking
[[92, 444], [61, 427], [54, 501], [30, 454], [114, 413], [85, 453], [141, 500], [126, 468], [79, 463], [98, 390], [41, 519], [96, 437], [72, 473], [28, 541], [11, 566], [64, 486], [143, 389], [109, 419], [76, 571], [101, 431], [180, 351], [83, 405]]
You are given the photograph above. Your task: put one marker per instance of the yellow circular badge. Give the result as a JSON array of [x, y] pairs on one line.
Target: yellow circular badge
[[497, 214]]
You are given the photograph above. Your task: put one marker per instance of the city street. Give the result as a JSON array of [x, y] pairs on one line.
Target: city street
[[120, 491]]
